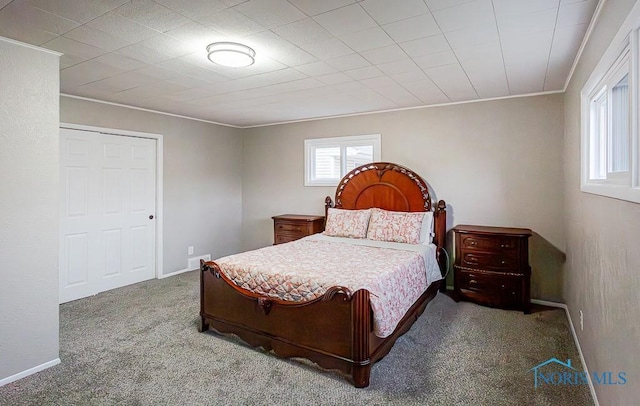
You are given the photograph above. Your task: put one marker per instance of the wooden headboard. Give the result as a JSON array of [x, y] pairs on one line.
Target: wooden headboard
[[393, 187]]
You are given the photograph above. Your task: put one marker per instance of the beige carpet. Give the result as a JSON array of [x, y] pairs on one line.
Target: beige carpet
[[139, 345]]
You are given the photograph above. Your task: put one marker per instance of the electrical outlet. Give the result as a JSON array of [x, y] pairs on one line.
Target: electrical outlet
[[190, 250], [581, 321]]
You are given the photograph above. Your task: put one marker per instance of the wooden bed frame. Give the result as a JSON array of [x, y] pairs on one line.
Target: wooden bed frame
[[336, 330]]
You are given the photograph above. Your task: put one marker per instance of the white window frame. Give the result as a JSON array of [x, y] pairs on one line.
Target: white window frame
[[621, 56], [310, 146]]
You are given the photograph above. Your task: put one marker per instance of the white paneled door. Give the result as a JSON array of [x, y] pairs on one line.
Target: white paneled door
[[107, 212]]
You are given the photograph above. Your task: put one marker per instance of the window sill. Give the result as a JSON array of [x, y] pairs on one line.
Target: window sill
[[627, 193]]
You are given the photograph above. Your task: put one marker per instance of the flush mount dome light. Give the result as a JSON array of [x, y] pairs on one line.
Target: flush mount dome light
[[231, 54]]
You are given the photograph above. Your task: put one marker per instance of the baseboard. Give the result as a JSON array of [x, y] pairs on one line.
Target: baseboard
[[29, 371], [592, 389], [194, 263], [174, 273]]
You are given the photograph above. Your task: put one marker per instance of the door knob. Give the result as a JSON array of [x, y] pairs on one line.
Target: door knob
[[151, 217]]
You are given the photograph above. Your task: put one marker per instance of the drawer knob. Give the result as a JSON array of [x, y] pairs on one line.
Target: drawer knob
[[473, 281], [473, 243], [503, 262], [502, 246]]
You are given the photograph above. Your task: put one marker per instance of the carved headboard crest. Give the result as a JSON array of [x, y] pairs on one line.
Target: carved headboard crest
[[398, 184]]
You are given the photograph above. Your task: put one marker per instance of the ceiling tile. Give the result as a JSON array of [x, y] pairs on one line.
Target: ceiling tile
[[314, 7], [143, 53], [426, 46], [303, 32], [364, 73], [96, 38], [576, 13], [412, 28], [272, 46], [406, 78], [122, 28], [81, 11], [367, 39], [21, 10], [334, 78], [74, 49], [140, 92], [472, 35], [484, 66], [151, 14], [345, 20], [385, 12], [509, 8], [398, 66], [119, 61], [519, 24], [477, 12], [384, 54], [194, 9], [87, 72], [348, 62], [231, 23], [270, 13], [171, 46], [440, 4], [316, 69], [526, 60], [453, 82], [11, 27], [327, 49], [427, 92], [436, 59], [196, 35], [566, 41]]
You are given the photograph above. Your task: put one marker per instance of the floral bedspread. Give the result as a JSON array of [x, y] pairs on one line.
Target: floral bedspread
[[303, 270]]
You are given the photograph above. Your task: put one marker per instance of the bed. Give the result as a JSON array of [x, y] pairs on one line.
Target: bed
[[336, 327]]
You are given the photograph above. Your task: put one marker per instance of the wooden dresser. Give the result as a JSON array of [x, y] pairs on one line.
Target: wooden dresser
[[289, 227], [492, 266]]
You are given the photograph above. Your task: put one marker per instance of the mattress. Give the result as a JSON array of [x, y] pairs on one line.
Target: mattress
[[395, 274]]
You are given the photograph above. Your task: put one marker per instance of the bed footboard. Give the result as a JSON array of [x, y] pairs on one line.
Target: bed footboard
[[332, 331], [335, 331]]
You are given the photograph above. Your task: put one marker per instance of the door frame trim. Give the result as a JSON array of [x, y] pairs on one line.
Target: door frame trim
[[159, 176]]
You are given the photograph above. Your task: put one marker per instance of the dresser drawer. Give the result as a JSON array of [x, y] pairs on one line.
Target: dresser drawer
[[488, 260], [491, 266], [283, 237], [290, 227], [491, 289], [282, 227], [489, 243]]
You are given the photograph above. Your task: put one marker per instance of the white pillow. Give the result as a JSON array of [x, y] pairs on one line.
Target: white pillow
[[347, 223], [426, 233]]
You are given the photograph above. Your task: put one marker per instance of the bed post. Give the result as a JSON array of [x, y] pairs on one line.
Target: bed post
[[328, 203], [440, 220], [361, 311]]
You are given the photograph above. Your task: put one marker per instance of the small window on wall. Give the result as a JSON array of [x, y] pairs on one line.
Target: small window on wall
[[609, 128], [327, 160], [608, 123]]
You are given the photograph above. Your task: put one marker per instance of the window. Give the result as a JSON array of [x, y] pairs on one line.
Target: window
[[327, 160], [609, 127], [609, 139]]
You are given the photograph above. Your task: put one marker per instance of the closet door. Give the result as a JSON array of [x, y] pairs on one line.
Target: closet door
[[107, 212]]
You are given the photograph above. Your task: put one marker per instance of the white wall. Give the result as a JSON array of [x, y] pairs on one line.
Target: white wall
[[495, 163], [202, 177], [28, 208], [602, 273]]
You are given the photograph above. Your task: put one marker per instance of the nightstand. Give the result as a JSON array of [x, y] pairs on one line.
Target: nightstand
[[491, 266], [290, 227]]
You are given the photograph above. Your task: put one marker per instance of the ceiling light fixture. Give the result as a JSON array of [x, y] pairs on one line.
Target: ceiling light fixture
[[231, 54]]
